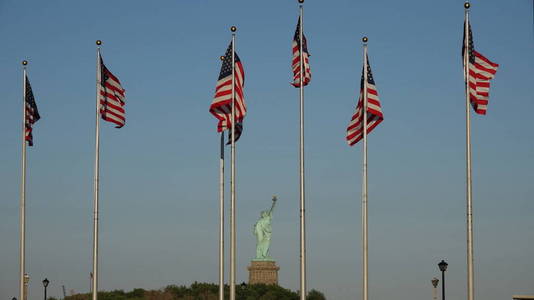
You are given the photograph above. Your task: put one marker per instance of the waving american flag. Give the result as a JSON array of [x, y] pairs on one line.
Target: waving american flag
[[481, 71], [374, 110], [112, 98], [295, 64], [221, 107], [31, 112]]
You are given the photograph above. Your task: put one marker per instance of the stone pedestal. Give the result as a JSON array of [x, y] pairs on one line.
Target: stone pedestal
[[265, 272]]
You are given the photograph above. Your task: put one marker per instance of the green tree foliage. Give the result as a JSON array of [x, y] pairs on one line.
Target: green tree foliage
[[264, 292], [315, 295], [202, 291]]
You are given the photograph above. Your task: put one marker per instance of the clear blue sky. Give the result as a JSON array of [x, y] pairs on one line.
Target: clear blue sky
[[159, 206]]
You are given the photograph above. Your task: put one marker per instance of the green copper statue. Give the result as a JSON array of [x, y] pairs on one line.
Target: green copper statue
[[263, 232]]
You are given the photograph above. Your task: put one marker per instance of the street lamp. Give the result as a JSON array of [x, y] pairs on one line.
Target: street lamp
[[45, 284], [443, 267], [435, 282]]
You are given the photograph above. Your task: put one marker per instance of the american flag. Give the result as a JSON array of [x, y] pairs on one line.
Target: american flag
[[221, 107], [112, 98], [374, 111], [296, 58], [32, 114], [481, 71]]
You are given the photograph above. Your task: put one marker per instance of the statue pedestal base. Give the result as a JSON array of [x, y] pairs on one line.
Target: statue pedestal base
[[265, 272]]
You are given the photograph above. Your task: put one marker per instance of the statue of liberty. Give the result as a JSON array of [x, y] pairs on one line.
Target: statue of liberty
[[263, 232]]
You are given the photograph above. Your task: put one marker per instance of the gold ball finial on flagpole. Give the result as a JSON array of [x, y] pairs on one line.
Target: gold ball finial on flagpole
[[24, 62], [365, 39], [301, 1], [98, 42], [233, 29], [222, 57], [467, 5]]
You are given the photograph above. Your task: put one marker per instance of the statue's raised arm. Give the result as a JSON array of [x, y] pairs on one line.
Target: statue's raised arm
[[272, 206]]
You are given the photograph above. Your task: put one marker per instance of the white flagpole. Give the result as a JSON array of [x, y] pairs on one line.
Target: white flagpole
[[95, 183], [301, 163], [22, 254], [221, 220], [365, 246], [470, 267], [232, 183]]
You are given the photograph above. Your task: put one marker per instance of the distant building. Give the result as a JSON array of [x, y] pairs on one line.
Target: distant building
[[522, 297]]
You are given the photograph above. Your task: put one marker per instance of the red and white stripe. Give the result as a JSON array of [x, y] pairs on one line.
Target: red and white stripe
[[30, 120], [112, 97], [221, 107], [480, 74], [374, 115], [295, 63], [31, 112], [296, 66]]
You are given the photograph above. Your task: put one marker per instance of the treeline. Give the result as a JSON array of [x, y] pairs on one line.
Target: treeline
[[202, 291]]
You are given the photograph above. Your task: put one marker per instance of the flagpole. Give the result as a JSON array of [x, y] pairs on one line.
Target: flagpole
[[232, 181], [22, 254], [301, 162], [221, 219], [365, 246], [469, 195], [96, 182]]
